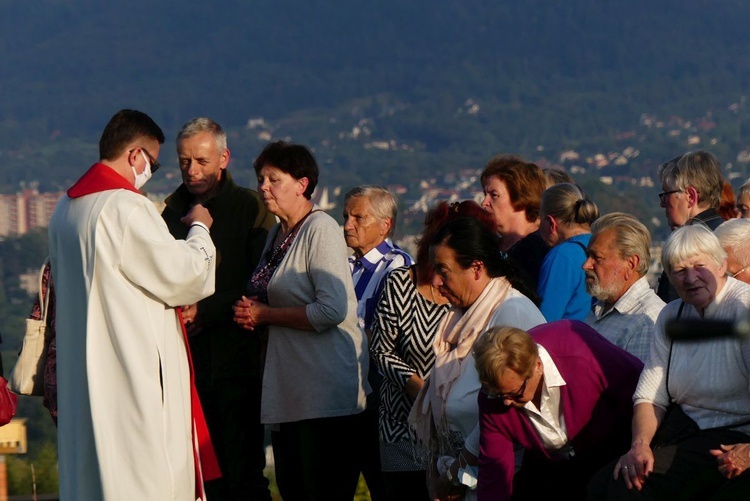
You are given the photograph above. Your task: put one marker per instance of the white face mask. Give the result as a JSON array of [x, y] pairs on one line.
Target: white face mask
[[143, 177]]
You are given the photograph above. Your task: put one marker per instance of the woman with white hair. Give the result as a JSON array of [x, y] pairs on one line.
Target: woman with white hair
[[692, 397]]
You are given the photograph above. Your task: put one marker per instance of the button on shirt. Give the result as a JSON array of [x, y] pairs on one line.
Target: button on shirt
[[631, 322], [368, 273]]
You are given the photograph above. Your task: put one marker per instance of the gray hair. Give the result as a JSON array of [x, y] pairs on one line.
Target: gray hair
[[200, 125], [743, 190], [567, 203], [631, 237], [689, 241], [382, 201], [556, 176], [699, 169], [734, 235]]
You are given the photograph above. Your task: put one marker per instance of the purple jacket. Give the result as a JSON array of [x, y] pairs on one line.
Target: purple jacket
[[596, 401]]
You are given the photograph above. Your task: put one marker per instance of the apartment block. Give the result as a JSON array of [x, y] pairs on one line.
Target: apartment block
[[28, 209]]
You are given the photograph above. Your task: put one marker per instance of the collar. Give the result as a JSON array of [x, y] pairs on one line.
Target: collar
[[626, 302], [182, 199], [552, 376], [100, 177], [370, 260], [708, 217]]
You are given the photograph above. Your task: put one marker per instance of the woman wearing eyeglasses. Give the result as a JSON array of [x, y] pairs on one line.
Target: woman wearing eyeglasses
[[484, 290], [693, 396], [563, 393]]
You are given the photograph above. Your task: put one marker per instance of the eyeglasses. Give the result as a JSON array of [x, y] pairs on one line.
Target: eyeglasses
[[734, 275], [154, 162], [516, 396], [663, 195]]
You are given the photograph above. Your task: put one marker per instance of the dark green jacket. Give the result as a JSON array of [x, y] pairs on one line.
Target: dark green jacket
[[239, 231]]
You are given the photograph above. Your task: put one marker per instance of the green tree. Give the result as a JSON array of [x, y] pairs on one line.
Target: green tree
[[39, 474]]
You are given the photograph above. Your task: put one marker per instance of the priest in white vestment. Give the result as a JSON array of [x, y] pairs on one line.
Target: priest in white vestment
[[129, 427]]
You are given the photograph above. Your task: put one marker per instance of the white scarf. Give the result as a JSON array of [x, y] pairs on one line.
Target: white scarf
[[457, 334]]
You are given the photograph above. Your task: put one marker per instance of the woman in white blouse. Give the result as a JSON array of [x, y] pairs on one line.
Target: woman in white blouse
[[707, 383]]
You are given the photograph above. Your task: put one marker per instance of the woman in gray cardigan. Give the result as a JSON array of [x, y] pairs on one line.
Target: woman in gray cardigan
[[314, 383]]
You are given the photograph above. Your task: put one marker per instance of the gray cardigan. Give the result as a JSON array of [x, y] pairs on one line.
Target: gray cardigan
[[320, 373]]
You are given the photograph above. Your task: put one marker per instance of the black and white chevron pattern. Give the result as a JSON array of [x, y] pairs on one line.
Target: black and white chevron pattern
[[403, 333]]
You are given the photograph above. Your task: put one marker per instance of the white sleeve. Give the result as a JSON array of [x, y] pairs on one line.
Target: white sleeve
[[177, 272]]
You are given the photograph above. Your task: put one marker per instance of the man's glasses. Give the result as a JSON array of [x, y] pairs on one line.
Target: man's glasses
[[154, 162], [515, 396], [734, 275], [663, 195]]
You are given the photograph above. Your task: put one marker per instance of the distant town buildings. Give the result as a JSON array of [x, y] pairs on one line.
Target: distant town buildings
[[26, 210]]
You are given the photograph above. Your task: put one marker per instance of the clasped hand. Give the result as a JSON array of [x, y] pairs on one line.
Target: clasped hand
[[635, 466], [247, 312], [732, 459]]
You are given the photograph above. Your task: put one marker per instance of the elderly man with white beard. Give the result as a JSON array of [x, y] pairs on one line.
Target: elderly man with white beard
[[626, 306]]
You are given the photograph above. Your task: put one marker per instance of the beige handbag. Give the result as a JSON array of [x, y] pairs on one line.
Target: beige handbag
[[27, 376]]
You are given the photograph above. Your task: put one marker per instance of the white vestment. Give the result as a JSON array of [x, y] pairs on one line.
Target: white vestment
[[123, 379]]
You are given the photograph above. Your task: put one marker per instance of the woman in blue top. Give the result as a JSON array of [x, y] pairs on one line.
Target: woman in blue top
[[566, 216]]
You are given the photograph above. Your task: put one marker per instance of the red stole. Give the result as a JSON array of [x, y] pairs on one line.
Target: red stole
[[101, 177], [206, 463], [98, 178]]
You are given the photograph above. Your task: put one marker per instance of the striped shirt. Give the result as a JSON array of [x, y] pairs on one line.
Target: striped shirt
[[368, 273], [631, 322]]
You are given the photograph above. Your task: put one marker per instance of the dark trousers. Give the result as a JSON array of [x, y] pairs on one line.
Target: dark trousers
[[682, 471], [540, 478], [232, 410], [368, 439], [405, 485], [313, 459], [368, 453]]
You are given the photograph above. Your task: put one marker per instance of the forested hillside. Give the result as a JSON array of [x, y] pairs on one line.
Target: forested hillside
[[447, 84]]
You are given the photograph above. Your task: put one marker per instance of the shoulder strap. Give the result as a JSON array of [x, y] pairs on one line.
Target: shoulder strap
[[725, 427], [585, 251], [671, 343], [44, 291], [299, 223]]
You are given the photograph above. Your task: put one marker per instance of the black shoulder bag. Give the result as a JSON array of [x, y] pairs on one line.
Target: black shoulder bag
[[676, 425]]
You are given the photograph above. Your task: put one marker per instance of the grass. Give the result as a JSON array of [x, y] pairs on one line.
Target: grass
[[362, 493]]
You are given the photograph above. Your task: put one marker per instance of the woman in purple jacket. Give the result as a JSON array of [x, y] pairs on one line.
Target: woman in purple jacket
[[563, 393]]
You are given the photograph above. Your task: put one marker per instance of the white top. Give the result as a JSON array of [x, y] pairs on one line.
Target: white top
[[709, 379], [548, 421], [124, 425], [320, 373], [462, 409]]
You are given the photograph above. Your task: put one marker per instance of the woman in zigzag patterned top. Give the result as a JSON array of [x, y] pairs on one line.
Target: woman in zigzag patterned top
[[406, 320]]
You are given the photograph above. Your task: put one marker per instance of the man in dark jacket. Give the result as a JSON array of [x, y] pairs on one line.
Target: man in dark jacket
[[691, 193], [227, 361]]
